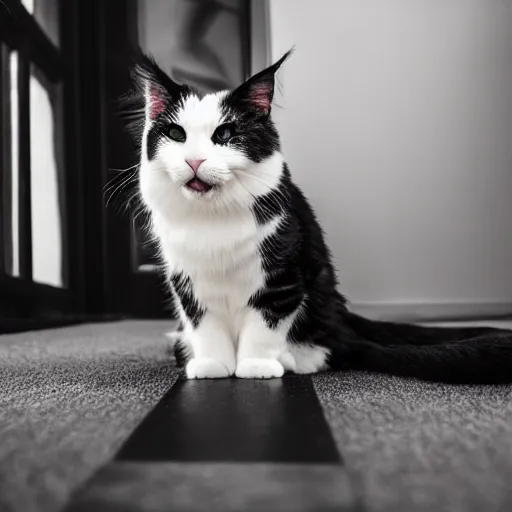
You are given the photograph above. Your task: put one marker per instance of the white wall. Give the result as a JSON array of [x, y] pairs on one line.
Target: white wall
[[397, 122]]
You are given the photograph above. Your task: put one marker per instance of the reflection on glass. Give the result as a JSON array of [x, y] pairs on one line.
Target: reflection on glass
[[45, 121], [46, 13]]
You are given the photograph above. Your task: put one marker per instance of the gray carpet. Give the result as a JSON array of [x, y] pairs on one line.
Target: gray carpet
[[414, 446], [70, 397], [418, 446]]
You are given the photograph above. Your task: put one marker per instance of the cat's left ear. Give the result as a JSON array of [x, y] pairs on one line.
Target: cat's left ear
[[257, 92], [157, 88]]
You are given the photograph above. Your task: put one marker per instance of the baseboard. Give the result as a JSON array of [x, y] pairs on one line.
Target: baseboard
[[16, 325], [434, 311]]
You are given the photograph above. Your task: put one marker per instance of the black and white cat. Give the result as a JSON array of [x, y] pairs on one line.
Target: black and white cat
[[245, 257]]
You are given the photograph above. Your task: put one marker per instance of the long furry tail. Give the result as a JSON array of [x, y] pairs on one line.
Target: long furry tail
[[463, 356]]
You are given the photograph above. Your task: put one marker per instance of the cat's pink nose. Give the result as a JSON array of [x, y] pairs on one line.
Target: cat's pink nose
[[194, 164]]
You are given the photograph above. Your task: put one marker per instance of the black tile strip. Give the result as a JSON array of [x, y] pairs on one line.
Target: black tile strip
[[235, 420]]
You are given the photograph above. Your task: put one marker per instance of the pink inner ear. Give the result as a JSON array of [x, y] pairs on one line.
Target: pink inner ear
[[259, 96], [156, 102]]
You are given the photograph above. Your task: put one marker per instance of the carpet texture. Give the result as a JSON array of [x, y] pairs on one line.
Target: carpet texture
[[69, 398], [416, 446]]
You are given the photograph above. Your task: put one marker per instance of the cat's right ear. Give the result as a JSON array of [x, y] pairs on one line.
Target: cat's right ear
[[158, 89], [257, 92]]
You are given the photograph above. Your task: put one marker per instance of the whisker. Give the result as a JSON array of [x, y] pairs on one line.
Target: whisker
[[133, 198], [269, 186], [125, 170], [7, 8], [119, 187], [284, 199], [115, 180]]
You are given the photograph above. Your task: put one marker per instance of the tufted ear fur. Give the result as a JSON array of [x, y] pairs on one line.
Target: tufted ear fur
[[158, 88], [257, 92]]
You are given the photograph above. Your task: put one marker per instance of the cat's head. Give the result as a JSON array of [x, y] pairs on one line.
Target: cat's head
[[220, 150]]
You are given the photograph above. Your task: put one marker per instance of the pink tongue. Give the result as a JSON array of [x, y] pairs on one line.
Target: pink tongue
[[197, 185]]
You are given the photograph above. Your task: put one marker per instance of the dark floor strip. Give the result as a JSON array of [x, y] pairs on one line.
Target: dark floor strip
[[235, 420]]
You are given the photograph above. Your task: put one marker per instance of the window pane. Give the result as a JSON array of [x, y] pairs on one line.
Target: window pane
[[46, 13], [46, 180]]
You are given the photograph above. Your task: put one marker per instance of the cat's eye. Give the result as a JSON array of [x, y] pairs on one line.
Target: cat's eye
[[177, 133], [223, 133]]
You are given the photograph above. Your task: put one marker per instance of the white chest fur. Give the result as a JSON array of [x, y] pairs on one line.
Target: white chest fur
[[219, 254]]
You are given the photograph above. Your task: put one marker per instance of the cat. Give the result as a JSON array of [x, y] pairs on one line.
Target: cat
[[246, 260]]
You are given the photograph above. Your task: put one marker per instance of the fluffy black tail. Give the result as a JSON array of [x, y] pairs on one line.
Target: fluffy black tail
[[464, 356]]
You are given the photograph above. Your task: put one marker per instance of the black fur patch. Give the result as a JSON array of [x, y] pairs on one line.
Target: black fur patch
[[154, 138], [255, 135], [182, 286], [298, 266], [181, 354], [159, 131], [273, 204], [147, 74]]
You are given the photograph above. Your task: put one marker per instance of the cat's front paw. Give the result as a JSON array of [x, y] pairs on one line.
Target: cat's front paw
[[206, 368], [259, 368]]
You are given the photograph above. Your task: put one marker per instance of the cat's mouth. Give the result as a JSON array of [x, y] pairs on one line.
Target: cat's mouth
[[198, 185]]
